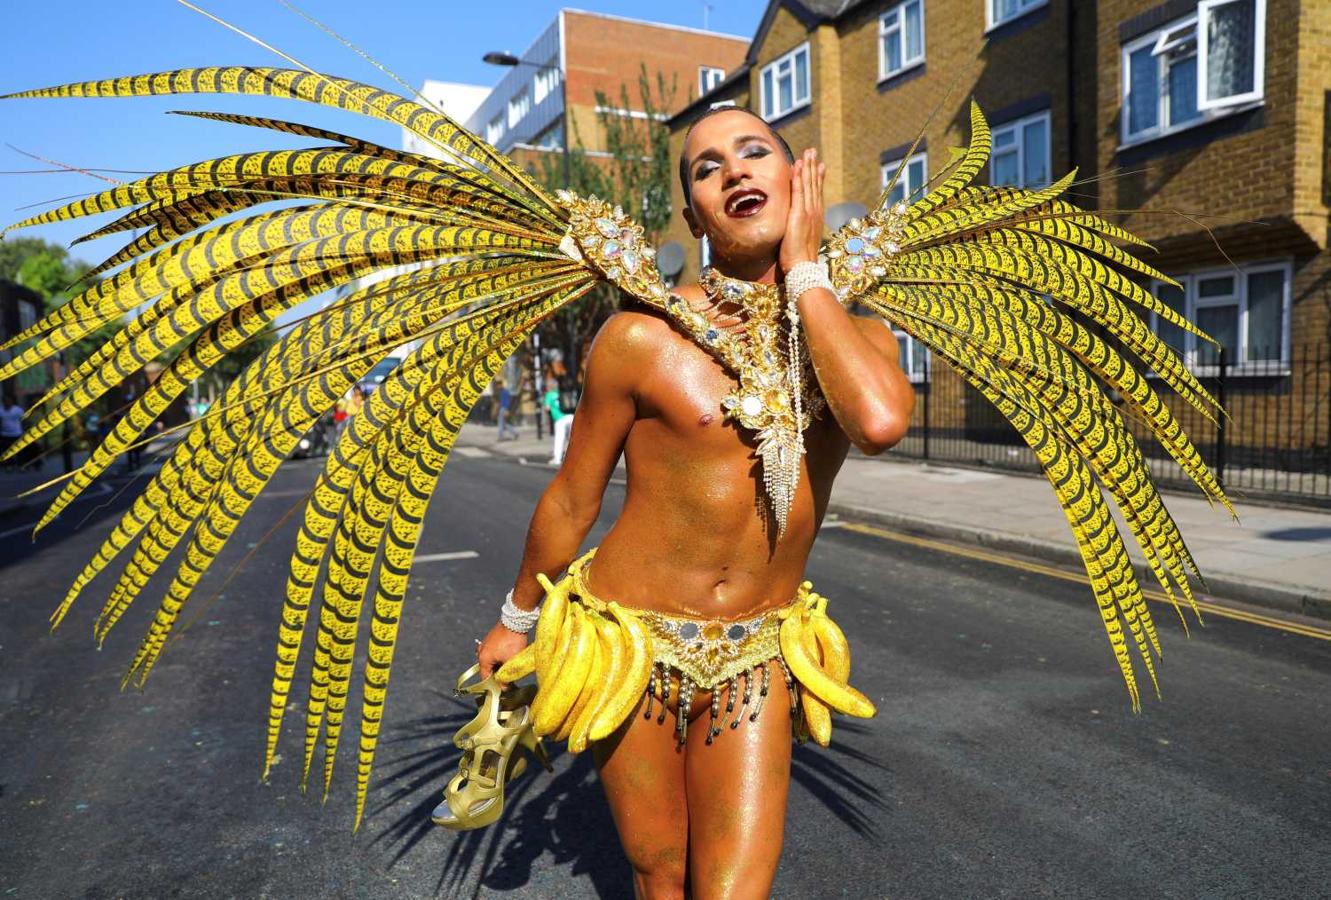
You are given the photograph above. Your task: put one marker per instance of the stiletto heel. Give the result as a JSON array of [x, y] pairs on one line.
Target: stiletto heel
[[474, 797]]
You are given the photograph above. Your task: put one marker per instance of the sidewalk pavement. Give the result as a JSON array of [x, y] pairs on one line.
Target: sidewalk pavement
[[1274, 557]]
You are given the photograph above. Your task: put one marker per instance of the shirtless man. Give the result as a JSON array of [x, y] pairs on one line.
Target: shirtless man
[[694, 537]]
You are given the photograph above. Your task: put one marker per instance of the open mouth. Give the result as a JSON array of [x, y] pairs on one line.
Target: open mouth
[[745, 203]]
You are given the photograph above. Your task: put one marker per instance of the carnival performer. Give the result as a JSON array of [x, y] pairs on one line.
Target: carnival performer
[[691, 543]]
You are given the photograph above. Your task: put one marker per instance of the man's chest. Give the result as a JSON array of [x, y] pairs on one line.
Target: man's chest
[[680, 399]]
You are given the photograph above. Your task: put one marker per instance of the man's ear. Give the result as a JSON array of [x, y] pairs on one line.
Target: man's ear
[[694, 228]]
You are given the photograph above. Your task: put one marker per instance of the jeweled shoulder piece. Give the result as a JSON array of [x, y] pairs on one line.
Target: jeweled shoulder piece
[[862, 253], [606, 239]]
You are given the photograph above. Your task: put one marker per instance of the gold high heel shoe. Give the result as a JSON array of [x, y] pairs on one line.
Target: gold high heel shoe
[[474, 797]]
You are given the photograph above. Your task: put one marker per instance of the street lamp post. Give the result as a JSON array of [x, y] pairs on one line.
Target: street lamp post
[[497, 58]]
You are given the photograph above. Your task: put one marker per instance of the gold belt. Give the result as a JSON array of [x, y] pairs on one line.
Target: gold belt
[[707, 651], [595, 659]]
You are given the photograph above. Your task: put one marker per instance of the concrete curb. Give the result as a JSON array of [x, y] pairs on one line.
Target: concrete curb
[[1300, 600]]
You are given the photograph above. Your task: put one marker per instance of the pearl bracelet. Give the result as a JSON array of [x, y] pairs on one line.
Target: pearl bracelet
[[806, 276], [514, 618]]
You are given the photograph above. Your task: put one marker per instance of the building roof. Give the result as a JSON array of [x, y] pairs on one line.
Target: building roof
[[811, 13]]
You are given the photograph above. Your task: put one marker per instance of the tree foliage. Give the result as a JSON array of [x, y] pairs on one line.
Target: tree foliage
[[633, 171]]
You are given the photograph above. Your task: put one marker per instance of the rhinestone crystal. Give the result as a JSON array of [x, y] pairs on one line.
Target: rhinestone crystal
[[607, 227], [610, 250]]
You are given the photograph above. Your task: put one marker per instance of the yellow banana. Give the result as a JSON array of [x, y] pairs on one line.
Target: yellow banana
[[832, 643], [593, 692], [520, 665], [558, 656], [637, 672], [817, 717], [572, 675], [841, 697], [553, 612]]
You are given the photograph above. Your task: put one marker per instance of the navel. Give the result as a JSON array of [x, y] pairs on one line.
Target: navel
[[705, 419]]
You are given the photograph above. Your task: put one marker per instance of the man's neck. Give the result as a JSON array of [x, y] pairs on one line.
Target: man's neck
[[761, 270]]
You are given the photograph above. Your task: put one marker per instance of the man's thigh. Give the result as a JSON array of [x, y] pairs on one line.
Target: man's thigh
[[737, 788], [642, 771]]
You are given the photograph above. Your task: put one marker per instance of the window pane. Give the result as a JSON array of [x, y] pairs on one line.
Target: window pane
[[1230, 31], [1005, 138], [889, 20], [767, 93], [903, 353], [1220, 286], [1003, 9], [1221, 323], [914, 32], [801, 75], [1004, 168], [892, 51], [1266, 300], [1035, 153], [785, 100], [1169, 333], [1143, 105], [1183, 91], [914, 175], [918, 361]]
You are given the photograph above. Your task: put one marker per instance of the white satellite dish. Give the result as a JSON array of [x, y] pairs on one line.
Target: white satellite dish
[[670, 259], [843, 212]]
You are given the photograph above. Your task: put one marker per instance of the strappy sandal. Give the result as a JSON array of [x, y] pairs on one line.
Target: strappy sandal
[[474, 797]]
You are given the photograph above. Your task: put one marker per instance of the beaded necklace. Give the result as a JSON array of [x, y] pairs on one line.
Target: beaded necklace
[[778, 396]]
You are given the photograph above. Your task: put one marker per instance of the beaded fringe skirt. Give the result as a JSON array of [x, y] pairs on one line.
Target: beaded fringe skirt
[[691, 654]]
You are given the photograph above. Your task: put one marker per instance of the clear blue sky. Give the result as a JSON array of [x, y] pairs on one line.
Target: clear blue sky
[[50, 42]]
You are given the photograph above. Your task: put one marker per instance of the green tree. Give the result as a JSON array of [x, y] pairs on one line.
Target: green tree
[[634, 172], [15, 251]]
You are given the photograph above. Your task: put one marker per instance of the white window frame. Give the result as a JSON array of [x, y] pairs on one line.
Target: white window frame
[[1172, 37], [1018, 126], [1239, 364], [906, 358], [1204, 49], [889, 169], [1027, 7], [774, 68], [546, 82], [709, 77], [518, 106], [494, 129], [898, 29]]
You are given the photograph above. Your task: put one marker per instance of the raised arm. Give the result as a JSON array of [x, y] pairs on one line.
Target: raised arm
[[854, 358], [572, 501]]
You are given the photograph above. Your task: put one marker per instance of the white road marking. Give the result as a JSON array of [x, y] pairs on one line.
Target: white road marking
[[97, 490], [444, 557], [473, 452]]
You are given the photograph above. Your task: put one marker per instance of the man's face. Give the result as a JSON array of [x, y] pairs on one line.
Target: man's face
[[739, 181]]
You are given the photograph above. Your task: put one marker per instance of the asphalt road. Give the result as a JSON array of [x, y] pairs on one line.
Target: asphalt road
[[1004, 762]]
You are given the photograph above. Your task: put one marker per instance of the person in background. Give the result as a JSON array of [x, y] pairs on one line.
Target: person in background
[[561, 422], [11, 423], [505, 404]]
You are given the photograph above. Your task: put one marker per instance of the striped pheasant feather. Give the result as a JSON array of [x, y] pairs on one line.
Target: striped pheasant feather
[[1012, 288], [224, 250]]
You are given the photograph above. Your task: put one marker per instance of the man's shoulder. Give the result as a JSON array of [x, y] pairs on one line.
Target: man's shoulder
[[633, 331]]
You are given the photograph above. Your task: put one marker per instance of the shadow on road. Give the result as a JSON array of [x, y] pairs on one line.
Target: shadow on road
[[565, 814]]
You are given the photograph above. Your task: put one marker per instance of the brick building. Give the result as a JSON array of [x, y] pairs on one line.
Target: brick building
[[574, 57], [1217, 109]]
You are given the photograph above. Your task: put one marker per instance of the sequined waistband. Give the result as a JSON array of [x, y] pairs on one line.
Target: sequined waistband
[[708, 651]]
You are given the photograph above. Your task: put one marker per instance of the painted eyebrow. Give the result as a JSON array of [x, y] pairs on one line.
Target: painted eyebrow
[[712, 154]]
